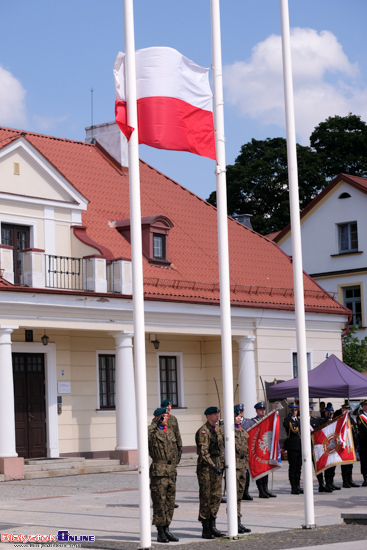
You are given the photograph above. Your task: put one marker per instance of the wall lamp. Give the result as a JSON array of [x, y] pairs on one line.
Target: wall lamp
[[45, 339], [154, 341]]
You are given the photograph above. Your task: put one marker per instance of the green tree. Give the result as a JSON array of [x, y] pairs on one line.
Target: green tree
[[257, 183], [355, 350], [341, 144]]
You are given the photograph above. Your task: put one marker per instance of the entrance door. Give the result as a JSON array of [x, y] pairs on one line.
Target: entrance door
[[17, 236], [30, 406]]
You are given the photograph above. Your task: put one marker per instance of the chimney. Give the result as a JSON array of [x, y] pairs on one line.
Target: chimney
[[111, 138], [245, 219]]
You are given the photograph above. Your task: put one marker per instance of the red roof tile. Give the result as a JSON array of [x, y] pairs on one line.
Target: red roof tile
[[261, 274]]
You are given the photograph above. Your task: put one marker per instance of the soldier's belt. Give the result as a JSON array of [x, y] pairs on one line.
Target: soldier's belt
[[162, 462]]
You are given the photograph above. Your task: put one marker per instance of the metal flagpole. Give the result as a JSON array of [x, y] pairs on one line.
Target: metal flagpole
[[137, 278], [297, 269], [225, 303]]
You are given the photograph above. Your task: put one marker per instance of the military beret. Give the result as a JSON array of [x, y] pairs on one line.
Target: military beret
[[236, 411], [211, 410], [260, 405], [240, 406], [166, 402], [363, 403], [159, 411], [293, 406]]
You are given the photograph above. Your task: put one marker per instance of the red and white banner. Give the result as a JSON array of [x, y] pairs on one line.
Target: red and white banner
[[174, 101], [333, 444], [263, 443]]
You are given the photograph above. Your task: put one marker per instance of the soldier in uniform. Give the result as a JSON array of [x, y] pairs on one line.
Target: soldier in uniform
[[210, 449], [262, 483], [347, 469], [172, 424], [330, 472], [362, 436], [163, 451], [246, 495], [292, 445], [241, 437]]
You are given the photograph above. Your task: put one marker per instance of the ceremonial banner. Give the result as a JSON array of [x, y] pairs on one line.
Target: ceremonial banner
[[333, 444], [263, 446], [174, 101]]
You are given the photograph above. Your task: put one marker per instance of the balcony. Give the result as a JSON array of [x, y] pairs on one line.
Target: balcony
[[33, 268]]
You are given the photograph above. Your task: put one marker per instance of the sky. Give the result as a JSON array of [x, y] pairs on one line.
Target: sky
[[53, 53]]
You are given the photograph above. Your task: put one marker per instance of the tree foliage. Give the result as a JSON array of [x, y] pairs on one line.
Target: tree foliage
[[257, 183], [355, 350], [341, 144]]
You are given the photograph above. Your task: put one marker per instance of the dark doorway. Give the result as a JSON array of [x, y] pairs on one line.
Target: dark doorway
[[30, 406], [17, 236]]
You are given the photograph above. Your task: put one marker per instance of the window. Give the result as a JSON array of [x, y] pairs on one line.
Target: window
[[106, 370], [348, 237], [17, 236], [295, 363], [159, 246], [352, 300], [168, 378]]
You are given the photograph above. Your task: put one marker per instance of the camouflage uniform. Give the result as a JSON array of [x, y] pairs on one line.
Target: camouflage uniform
[[242, 452], [172, 424], [163, 451], [209, 444]]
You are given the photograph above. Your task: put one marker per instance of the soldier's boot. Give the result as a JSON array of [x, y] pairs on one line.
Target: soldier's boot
[[351, 482], [265, 485], [298, 484], [246, 495], [241, 528], [322, 487], [169, 535], [294, 489], [364, 484], [206, 534], [346, 484], [161, 534], [213, 529], [335, 487], [262, 493]]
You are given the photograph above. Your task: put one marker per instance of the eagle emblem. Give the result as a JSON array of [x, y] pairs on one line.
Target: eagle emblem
[[265, 442]]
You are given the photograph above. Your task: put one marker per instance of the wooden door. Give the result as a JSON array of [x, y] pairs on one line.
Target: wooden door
[[17, 236], [30, 406]]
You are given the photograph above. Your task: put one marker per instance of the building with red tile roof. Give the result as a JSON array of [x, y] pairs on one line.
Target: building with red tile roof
[[66, 253]]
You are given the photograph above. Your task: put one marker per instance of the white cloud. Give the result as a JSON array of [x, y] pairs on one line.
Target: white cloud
[[12, 100], [325, 82]]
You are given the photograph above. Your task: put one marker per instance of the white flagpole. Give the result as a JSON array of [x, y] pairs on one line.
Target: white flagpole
[[224, 282], [137, 277], [297, 270]]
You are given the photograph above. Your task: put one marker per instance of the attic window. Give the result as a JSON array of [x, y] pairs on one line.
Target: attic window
[[344, 196], [155, 237], [16, 168]]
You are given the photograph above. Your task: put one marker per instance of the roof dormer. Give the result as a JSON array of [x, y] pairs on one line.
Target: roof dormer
[[155, 237]]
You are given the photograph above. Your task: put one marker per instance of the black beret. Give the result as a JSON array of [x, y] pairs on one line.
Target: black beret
[[211, 410]]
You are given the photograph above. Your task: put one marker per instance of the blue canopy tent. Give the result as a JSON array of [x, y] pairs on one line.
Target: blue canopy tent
[[332, 378]]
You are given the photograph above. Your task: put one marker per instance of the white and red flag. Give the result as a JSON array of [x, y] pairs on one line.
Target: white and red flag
[[263, 443], [174, 101], [333, 444]]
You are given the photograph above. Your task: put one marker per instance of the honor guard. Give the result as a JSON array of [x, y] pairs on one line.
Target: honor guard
[[292, 445], [210, 464], [330, 472], [172, 424], [163, 451], [241, 437], [246, 495], [347, 469], [315, 423]]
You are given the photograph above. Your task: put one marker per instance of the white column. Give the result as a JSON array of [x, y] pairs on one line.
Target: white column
[[7, 416], [247, 374], [126, 431]]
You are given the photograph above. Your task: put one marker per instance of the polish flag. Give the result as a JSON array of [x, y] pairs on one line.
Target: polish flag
[[333, 444], [174, 102], [263, 444]]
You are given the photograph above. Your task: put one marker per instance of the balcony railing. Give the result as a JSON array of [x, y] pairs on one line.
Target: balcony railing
[[64, 273]]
